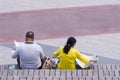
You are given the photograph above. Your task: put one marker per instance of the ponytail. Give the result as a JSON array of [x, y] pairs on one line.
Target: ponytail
[[66, 48], [70, 42]]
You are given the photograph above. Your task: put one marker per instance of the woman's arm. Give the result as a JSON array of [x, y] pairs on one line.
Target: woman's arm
[[57, 52], [82, 57]]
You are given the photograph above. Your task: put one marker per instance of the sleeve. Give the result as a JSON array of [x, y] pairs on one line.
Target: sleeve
[[57, 52], [81, 57], [42, 55], [15, 53]]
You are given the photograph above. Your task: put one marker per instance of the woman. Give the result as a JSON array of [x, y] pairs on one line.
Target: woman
[[68, 54]]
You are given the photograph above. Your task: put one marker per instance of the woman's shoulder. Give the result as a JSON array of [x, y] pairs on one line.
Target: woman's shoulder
[[61, 47], [75, 50]]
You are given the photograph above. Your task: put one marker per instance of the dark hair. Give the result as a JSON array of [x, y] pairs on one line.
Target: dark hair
[[30, 34], [70, 42]]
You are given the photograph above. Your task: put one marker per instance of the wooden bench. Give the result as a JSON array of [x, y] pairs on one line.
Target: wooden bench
[[97, 72]]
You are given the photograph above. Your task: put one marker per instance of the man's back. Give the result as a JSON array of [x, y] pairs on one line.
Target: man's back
[[30, 55]]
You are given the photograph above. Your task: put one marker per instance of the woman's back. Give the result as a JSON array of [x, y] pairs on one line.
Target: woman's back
[[67, 61], [68, 54]]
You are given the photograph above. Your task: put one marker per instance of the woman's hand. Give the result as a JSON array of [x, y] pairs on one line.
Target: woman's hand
[[93, 61]]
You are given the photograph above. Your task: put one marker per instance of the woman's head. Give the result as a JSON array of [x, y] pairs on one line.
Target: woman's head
[[70, 43]]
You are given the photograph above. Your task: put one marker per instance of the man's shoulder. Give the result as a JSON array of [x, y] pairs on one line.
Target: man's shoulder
[[37, 45]]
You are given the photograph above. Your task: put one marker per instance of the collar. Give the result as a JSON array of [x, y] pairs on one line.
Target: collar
[[29, 42]]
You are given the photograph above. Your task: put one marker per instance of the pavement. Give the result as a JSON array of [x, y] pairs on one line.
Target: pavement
[[101, 38], [23, 5], [106, 46]]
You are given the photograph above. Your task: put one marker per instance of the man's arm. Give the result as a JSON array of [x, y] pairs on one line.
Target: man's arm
[[14, 52]]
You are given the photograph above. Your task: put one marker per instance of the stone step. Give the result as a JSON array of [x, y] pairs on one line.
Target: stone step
[[59, 73], [47, 78], [94, 67], [57, 78]]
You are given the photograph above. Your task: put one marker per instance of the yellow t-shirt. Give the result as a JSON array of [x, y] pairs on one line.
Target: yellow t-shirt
[[67, 61]]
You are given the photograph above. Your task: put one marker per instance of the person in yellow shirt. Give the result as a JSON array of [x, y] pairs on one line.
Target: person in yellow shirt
[[68, 54]]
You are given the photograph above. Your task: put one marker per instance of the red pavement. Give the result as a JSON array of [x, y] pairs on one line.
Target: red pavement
[[77, 21]]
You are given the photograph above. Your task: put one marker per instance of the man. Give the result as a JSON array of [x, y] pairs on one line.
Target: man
[[29, 54]]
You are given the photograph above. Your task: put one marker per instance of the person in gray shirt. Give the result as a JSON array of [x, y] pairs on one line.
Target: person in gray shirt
[[29, 55]]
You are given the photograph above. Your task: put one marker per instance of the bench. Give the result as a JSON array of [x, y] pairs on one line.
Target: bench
[[96, 72]]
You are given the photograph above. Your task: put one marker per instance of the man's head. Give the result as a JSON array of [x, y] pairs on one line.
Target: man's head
[[29, 36]]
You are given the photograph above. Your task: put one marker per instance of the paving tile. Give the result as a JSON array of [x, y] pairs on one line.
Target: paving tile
[[30, 78], [62, 78], [85, 73], [49, 78], [95, 78], [101, 73], [80, 73], [10, 78], [31, 72], [69, 73], [81, 78], [43, 78], [20, 73], [74, 73], [56, 78], [36, 73], [10, 72], [47, 72], [75, 78], [5, 72], [90, 73], [117, 73], [3, 78], [58, 72], [23, 78], [42, 72], [25, 72], [108, 78], [69, 78], [102, 78], [15, 73], [106, 73], [116, 78], [63, 73], [52, 72], [111, 72], [36, 78], [16, 78]]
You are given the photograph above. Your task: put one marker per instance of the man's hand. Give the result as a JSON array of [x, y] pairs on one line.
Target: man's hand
[[14, 48]]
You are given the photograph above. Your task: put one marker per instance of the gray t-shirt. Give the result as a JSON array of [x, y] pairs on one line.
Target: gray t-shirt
[[30, 55]]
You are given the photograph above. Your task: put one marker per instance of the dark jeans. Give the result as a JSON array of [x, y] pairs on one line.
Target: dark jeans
[[18, 61]]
